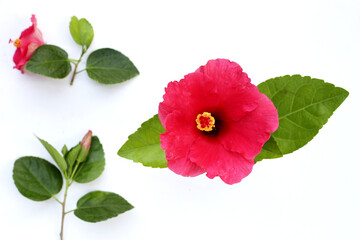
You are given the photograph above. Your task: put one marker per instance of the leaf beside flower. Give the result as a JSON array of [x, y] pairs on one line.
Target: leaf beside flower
[[304, 105], [50, 61], [269, 150], [144, 145]]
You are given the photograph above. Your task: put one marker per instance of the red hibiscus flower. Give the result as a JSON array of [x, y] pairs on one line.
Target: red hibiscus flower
[[216, 122], [29, 40]]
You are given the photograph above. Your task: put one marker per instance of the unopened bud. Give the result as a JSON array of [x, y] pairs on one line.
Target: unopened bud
[[86, 141], [85, 145]]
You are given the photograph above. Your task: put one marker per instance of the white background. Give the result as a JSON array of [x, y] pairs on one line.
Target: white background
[[313, 193]]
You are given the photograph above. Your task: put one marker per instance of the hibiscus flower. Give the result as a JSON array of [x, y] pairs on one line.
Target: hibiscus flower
[[216, 121], [29, 40]]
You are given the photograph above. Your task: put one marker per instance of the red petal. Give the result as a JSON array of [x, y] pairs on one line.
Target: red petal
[[177, 149], [19, 60], [220, 86], [237, 101], [248, 135], [33, 20], [192, 95], [237, 95], [31, 35], [30, 29], [177, 141], [180, 123], [211, 155], [31, 49], [172, 97], [224, 71]]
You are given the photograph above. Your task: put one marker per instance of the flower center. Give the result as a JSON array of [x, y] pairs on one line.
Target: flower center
[[205, 122], [17, 43]]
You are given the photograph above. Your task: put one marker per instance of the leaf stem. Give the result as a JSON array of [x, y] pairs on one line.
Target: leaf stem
[[80, 71], [73, 60], [73, 173], [76, 66], [70, 211], [63, 210], [73, 76], [56, 199]]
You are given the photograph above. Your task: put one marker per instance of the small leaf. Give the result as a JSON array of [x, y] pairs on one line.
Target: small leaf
[[60, 161], [64, 150], [36, 178], [50, 61], [109, 66], [144, 145], [93, 165], [304, 105], [81, 31], [269, 150], [99, 206], [72, 156], [82, 155]]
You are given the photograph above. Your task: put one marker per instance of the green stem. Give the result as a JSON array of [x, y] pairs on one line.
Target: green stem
[[63, 210], [80, 71], [73, 172], [73, 60], [70, 211], [76, 66], [73, 76], [56, 199]]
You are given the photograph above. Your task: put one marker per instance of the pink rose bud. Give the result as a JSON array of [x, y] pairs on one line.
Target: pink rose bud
[[29, 40], [86, 141]]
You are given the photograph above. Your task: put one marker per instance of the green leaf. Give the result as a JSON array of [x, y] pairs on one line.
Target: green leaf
[[36, 178], [83, 154], [99, 206], [269, 150], [93, 165], [304, 105], [64, 150], [50, 61], [60, 161], [109, 66], [72, 156], [81, 31], [144, 145]]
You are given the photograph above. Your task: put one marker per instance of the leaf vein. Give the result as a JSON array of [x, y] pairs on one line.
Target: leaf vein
[[41, 184], [310, 105], [296, 124]]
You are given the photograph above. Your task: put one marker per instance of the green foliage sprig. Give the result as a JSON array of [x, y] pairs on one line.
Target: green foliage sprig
[[39, 180], [107, 66]]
